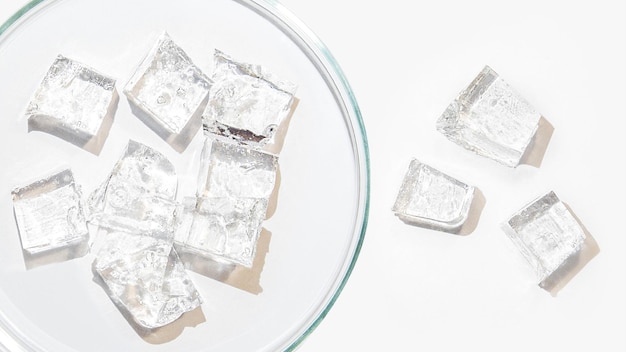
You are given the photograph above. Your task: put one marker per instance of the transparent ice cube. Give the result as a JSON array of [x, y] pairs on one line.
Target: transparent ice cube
[[491, 119], [245, 102], [72, 103], [169, 90], [138, 194], [144, 277], [233, 170], [432, 199], [223, 229], [49, 214], [546, 233]]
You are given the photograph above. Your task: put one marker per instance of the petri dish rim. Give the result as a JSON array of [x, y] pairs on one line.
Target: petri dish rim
[[329, 69]]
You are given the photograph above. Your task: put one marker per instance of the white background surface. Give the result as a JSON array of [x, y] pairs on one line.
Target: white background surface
[[417, 289]]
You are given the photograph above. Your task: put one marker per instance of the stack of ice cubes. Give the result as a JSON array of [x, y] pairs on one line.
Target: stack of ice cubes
[[136, 263], [237, 179], [234, 190], [135, 212]]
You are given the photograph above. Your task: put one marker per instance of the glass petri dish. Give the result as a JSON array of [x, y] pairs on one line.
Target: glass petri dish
[[312, 238]]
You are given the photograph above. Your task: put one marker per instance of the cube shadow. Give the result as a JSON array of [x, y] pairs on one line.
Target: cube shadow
[[573, 264]]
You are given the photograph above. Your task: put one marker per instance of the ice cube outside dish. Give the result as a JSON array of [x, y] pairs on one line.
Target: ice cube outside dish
[[547, 234], [491, 119], [432, 199]]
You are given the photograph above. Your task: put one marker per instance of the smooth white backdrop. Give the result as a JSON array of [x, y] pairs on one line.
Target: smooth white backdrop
[[421, 290]]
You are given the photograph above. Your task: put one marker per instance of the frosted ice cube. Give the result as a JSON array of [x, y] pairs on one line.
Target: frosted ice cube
[[491, 119], [72, 103], [139, 193], [145, 278], [169, 89], [221, 228], [432, 199], [49, 214], [546, 233], [245, 102], [233, 170]]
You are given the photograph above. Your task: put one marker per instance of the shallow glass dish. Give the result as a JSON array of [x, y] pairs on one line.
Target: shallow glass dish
[[312, 239]]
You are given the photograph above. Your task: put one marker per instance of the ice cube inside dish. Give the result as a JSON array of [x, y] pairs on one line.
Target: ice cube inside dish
[[546, 233], [49, 214], [245, 102], [491, 119], [233, 170], [144, 277], [139, 193], [72, 103], [222, 229], [168, 90], [432, 199]]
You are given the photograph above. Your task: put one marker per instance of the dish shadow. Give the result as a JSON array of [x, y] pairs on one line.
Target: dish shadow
[[243, 278], [572, 265], [536, 151]]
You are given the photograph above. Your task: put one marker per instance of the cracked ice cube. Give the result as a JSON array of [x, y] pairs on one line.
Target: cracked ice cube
[[432, 199], [168, 88], [221, 228], [72, 103], [233, 170], [546, 233], [49, 214], [139, 193], [144, 277], [491, 119], [245, 102]]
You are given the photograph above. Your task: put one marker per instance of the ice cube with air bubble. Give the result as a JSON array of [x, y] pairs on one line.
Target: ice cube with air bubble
[[246, 102], [168, 92]]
